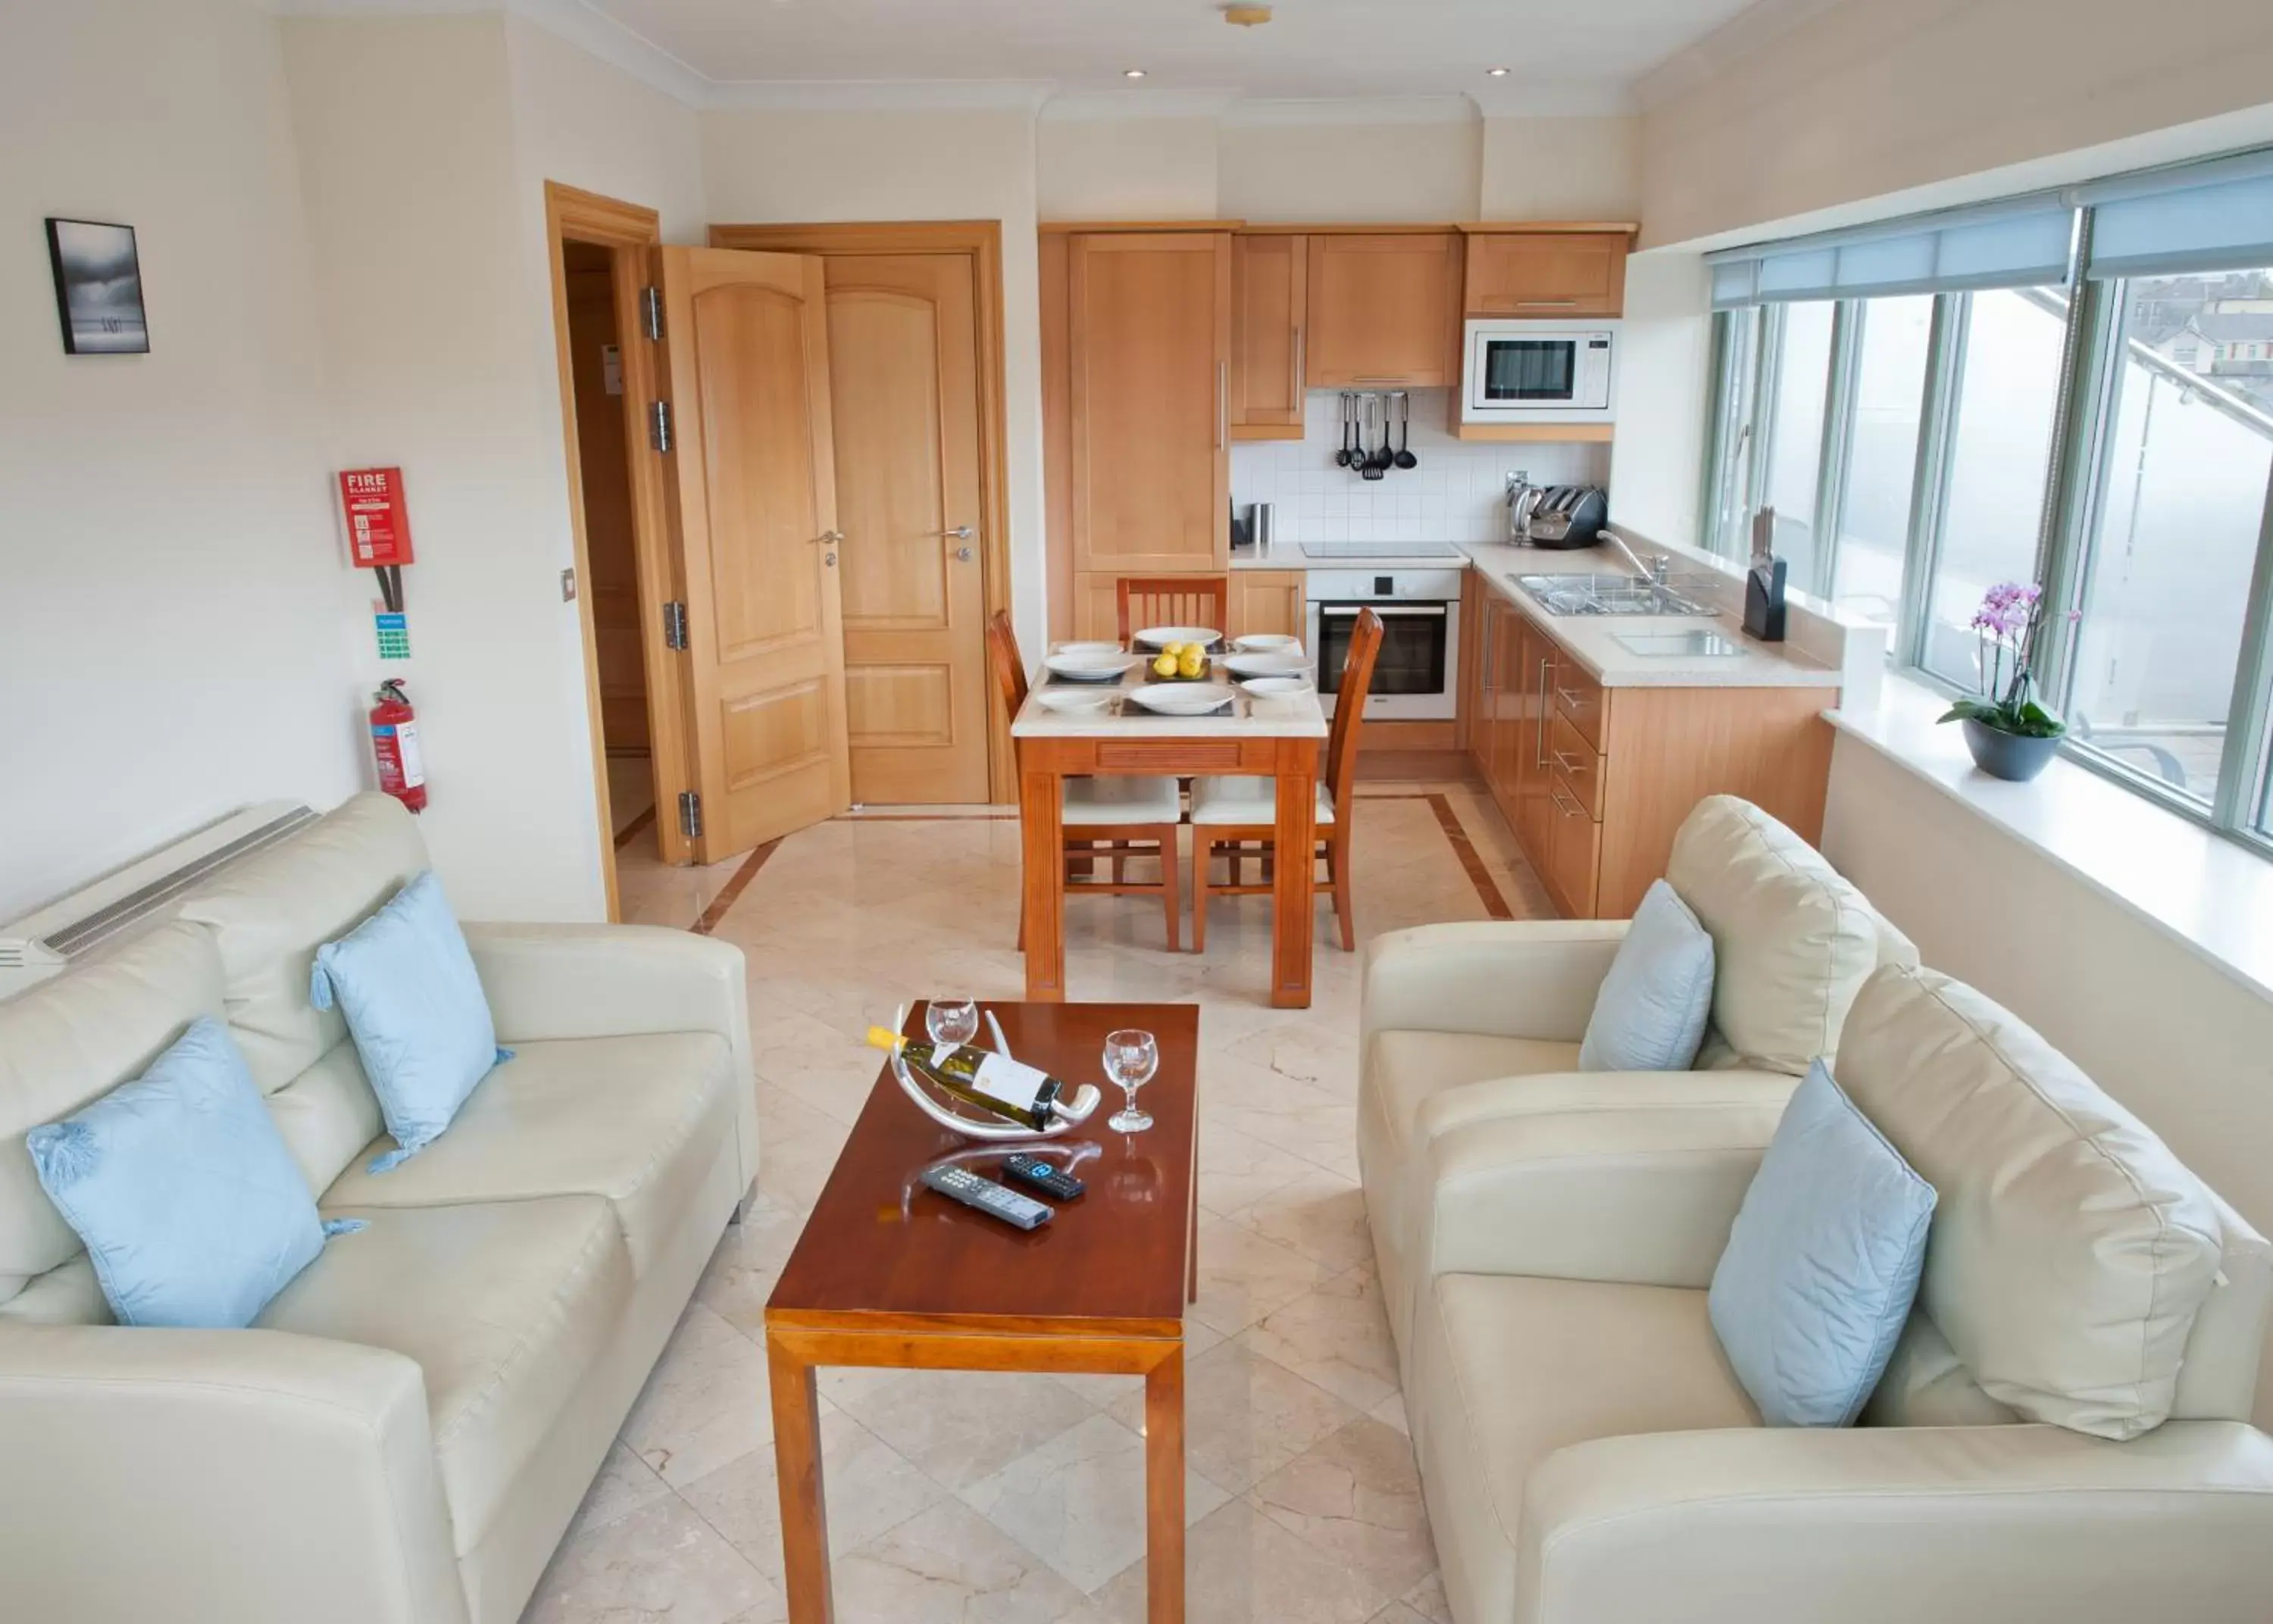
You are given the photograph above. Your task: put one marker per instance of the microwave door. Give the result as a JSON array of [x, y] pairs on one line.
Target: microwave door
[[1541, 371]]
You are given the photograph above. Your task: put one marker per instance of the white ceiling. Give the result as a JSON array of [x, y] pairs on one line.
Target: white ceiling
[[1566, 55]]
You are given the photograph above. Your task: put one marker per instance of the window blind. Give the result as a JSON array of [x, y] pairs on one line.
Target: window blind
[[2020, 243], [2209, 216]]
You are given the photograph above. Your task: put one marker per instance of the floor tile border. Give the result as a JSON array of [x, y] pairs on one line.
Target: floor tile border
[[1487, 891], [731, 893]]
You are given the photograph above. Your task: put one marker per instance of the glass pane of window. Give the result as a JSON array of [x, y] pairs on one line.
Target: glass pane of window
[[1999, 451], [1795, 450], [1734, 430], [2189, 454], [1874, 507]]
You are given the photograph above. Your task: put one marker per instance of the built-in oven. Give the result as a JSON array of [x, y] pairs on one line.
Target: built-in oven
[[1416, 672], [1539, 371]]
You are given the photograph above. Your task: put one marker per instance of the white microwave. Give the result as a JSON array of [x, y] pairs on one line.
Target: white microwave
[[1539, 371]]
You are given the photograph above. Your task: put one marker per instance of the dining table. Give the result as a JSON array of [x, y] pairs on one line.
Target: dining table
[[1276, 737]]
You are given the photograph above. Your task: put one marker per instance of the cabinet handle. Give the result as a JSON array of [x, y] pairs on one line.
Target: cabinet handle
[[1386, 377], [1222, 402], [1545, 305], [1568, 762], [1574, 701], [1295, 394], [1539, 749], [1563, 803]]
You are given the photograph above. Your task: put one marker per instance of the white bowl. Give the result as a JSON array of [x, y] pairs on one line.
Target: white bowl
[[1267, 643], [1160, 637], [1266, 665], [1277, 687], [1089, 667], [1088, 648], [1196, 698], [1074, 702]]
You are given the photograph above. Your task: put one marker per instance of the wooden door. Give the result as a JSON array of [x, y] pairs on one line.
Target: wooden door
[[1385, 310], [904, 389], [1149, 351], [754, 521], [1267, 601], [611, 571], [1546, 274], [1270, 276]]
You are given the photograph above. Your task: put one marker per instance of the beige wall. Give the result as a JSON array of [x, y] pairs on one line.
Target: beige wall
[[176, 607], [1350, 171], [1561, 169], [1863, 100], [2174, 1038], [1664, 355], [1125, 168]]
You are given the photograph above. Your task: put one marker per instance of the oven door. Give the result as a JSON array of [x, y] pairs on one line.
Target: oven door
[[1412, 675]]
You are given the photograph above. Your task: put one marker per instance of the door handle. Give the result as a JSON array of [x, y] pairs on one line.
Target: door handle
[[833, 537], [961, 533]]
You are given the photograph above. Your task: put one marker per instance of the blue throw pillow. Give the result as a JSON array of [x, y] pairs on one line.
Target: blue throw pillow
[[1650, 1014], [414, 1004], [193, 1212], [1823, 1261]]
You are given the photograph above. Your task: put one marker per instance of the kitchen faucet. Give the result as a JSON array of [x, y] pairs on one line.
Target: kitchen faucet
[[1657, 572]]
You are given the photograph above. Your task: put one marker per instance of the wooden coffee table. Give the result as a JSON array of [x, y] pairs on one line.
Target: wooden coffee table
[[889, 1273]]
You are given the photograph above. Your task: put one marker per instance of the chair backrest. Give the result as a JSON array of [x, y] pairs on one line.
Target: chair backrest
[[1145, 601], [1002, 654], [1349, 709]]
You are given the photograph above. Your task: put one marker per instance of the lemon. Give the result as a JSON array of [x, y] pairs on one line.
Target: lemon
[[1192, 662], [1166, 665]]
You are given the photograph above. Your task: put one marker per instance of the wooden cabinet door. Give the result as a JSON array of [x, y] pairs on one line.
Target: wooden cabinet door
[[1149, 353], [745, 338], [1574, 849], [1267, 601], [1546, 274], [1385, 311], [1095, 608], [1270, 278], [1534, 810]]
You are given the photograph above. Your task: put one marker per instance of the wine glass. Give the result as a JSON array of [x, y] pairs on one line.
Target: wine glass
[[1131, 1056], [951, 1020]]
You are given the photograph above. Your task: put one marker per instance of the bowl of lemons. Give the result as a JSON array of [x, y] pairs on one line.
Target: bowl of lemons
[[1180, 663]]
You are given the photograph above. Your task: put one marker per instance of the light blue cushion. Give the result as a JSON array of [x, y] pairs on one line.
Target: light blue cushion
[[1822, 1264], [414, 1004], [1650, 1014], [193, 1212]]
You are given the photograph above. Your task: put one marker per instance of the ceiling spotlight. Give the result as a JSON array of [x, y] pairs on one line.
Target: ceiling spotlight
[[1496, 72], [1247, 16], [1132, 73]]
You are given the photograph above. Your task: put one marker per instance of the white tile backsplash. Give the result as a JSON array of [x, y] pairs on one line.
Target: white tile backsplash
[[1457, 494]]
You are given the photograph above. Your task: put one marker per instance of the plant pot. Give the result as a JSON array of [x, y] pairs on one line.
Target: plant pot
[[2014, 757]]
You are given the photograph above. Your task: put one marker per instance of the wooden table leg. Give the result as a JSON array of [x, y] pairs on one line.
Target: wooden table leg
[[797, 1464], [1041, 841], [1164, 1490], [1293, 901]]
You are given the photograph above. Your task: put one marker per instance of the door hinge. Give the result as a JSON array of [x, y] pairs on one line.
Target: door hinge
[[658, 425], [674, 624], [690, 813], [651, 312]]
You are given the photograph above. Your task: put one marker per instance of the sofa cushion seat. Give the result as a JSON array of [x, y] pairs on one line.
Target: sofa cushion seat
[[637, 1120], [1509, 1368], [504, 1307]]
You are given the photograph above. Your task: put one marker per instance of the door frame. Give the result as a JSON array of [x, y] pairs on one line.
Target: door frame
[[629, 232], [982, 241]]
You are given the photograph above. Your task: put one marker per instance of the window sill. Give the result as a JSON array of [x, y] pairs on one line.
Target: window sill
[[2211, 895]]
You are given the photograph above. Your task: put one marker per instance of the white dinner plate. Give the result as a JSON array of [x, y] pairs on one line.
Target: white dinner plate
[[1266, 665], [1160, 637], [1088, 648], [1268, 643], [1276, 687], [1074, 702], [1107, 667], [1169, 698]]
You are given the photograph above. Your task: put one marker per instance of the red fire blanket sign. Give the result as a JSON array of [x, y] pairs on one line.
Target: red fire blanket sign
[[378, 523]]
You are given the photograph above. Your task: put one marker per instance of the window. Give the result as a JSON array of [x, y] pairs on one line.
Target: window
[[1794, 431], [1887, 405]]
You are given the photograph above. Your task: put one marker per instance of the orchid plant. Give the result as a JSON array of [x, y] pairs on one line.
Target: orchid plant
[[2006, 624]]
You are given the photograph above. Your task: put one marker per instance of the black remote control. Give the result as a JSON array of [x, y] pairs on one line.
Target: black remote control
[[960, 1185], [1050, 1181]]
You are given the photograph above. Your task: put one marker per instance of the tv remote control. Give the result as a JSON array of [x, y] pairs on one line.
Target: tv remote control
[[1045, 1176], [958, 1184]]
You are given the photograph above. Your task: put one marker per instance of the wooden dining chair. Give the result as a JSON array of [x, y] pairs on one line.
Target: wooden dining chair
[[1229, 814], [1144, 601], [1107, 819]]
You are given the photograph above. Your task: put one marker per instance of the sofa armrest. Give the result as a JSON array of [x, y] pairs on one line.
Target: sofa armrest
[[252, 1475], [1527, 978], [1885, 1525], [1617, 1190]]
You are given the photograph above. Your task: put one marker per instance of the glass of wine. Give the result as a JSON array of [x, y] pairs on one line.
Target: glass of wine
[[1131, 1056], [951, 1020]]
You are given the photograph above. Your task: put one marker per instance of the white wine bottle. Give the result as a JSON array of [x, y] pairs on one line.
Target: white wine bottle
[[993, 1082]]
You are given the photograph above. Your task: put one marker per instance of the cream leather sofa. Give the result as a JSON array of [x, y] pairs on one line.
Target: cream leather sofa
[[405, 1434]]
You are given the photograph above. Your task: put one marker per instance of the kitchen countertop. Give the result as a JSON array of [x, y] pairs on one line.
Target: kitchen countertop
[[1290, 556], [1592, 640]]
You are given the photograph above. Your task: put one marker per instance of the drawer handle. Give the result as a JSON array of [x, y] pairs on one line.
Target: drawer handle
[[1576, 702], [1569, 808], [1569, 763]]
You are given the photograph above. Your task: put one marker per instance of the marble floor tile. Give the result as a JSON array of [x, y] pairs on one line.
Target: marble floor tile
[[741, 1272], [1427, 1599], [1391, 1413], [950, 1566], [1320, 1215], [1307, 1051], [660, 1562], [1244, 1275], [868, 1488], [625, 1484], [1335, 1335], [961, 1425], [1237, 1169], [1242, 1568], [1245, 1416], [707, 1403], [1356, 1497]]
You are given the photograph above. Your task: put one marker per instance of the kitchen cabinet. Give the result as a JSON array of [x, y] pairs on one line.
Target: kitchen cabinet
[[1266, 602], [1546, 274], [1148, 355], [1384, 311], [1269, 282]]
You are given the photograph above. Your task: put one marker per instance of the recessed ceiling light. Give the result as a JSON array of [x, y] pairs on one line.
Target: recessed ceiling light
[[1132, 73], [1497, 72]]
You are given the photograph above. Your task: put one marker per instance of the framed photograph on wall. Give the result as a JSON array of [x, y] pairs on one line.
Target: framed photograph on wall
[[98, 288]]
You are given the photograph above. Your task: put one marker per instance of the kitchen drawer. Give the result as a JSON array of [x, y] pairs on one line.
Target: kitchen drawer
[[1579, 764], [1574, 848], [1581, 699]]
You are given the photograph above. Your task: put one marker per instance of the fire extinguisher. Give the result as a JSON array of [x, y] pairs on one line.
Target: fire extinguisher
[[394, 742]]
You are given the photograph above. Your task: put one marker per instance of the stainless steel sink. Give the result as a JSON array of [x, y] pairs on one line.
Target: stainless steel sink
[[1606, 595]]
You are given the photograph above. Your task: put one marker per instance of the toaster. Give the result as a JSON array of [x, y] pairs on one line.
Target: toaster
[[1570, 516]]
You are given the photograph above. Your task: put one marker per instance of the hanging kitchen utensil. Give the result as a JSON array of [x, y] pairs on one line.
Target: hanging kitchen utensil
[[1342, 458], [1405, 457], [1375, 463]]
